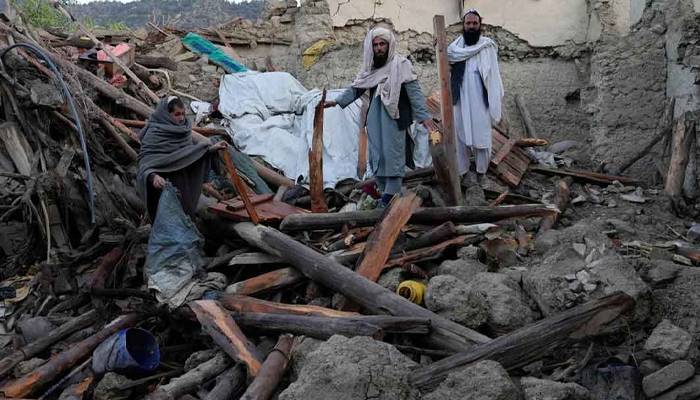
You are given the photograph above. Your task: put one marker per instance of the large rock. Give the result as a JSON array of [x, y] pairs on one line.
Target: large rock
[[661, 272], [508, 307], [485, 380], [464, 269], [303, 347], [541, 389], [351, 369], [667, 377], [668, 342], [564, 279], [451, 298], [687, 391], [679, 301]]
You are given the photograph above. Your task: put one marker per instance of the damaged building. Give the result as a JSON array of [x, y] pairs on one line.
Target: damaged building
[[570, 272]]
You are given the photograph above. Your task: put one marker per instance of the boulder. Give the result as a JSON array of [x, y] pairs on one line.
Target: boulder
[[303, 347], [679, 302], [109, 387], [464, 269], [661, 272], [451, 298], [541, 389], [353, 368], [690, 390], [507, 304], [668, 342], [667, 377], [485, 380]]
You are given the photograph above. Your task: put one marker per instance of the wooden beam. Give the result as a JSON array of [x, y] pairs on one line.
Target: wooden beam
[[682, 137], [318, 198], [585, 176], [192, 379], [223, 329], [266, 282], [203, 131], [444, 149], [532, 342], [272, 371], [316, 327], [246, 304], [561, 201], [417, 255], [525, 114], [428, 216], [240, 186], [381, 240], [373, 297]]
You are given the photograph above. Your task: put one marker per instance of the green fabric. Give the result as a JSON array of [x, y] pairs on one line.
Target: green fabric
[[200, 45]]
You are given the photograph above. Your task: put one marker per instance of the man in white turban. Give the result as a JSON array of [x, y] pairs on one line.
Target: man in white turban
[[394, 100], [477, 93]]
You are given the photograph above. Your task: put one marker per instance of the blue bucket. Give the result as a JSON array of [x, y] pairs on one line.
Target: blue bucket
[[131, 350]]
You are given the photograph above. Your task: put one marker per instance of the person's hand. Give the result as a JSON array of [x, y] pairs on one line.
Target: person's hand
[[218, 146], [329, 103], [430, 125], [158, 181]]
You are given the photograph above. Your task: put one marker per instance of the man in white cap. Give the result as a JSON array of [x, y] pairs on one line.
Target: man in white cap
[[477, 94], [394, 100]]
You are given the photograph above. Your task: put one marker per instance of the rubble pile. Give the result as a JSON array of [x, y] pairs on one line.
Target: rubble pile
[[555, 282]]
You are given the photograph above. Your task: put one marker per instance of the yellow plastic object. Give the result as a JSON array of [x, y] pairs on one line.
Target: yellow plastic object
[[314, 52], [412, 290]]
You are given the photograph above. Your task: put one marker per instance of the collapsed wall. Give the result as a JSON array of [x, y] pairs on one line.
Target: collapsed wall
[[594, 71]]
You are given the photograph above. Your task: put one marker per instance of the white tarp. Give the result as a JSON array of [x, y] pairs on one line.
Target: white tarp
[[271, 115]]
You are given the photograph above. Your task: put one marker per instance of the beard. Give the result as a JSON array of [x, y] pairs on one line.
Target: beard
[[380, 60], [471, 37]]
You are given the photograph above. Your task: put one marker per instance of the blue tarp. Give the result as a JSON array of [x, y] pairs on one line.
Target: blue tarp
[[200, 45]]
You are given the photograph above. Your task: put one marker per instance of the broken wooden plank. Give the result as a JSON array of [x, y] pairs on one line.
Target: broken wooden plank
[[525, 114], [429, 252], [561, 201], [444, 150], [316, 327], [427, 216], [52, 369], [223, 329], [272, 371], [240, 186], [373, 297], [433, 236], [531, 142], [503, 151], [192, 379], [318, 198], [532, 342], [584, 176], [269, 210], [254, 259], [17, 147], [246, 304], [266, 282], [132, 123], [682, 137], [381, 240]]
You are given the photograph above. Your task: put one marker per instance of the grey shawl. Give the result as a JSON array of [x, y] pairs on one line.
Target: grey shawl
[[165, 147]]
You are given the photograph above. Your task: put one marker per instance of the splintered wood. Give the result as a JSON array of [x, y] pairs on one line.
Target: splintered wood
[[318, 198]]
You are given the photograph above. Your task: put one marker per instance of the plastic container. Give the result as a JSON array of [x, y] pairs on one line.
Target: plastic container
[[412, 290], [131, 350]]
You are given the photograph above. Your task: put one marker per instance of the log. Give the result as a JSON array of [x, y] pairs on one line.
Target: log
[[32, 349], [219, 325], [192, 379], [444, 150], [119, 140], [132, 123], [279, 194], [430, 252], [318, 198], [254, 259], [157, 62], [373, 297], [690, 182], [246, 304], [98, 279], [240, 186], [531, 142], [227, 384], [59, 364], [525, 114], [682, 136], [270, 176], [381, 240], [585, 176], [317, 327], [532, 342], [439, 234], [561, 201], [428, 216], [662, 130], [266, 282], [272, 371]]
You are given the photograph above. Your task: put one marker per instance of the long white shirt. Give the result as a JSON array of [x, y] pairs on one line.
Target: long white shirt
[[471, 116]]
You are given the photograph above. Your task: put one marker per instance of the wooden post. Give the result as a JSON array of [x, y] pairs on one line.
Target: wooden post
[[443, 145], [240, 186], [318, 198], [525, 114], [532, 342], [684, 133], [223, 329], [272, 371], [373, 297], [316, 327]]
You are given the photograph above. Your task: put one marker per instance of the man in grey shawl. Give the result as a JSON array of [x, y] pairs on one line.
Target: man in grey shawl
[[171, 152], [477, 94], [393, 100]]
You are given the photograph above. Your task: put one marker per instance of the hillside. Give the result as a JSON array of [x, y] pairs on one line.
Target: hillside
[[179, 13]]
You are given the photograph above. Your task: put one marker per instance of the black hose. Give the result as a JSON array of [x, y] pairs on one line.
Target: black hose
[[71, 104]]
